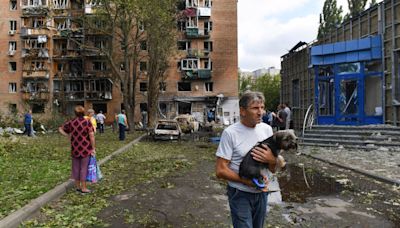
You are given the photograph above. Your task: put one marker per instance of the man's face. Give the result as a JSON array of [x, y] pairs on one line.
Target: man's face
[[252, 114]]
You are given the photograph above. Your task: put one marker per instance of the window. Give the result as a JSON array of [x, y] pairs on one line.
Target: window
[[143, 86], [12, 66], [183, 45], [38, 108], [296, 93], [184, 86], [163, 86], [207, 3], [12, 87], [12, 108], [99, 66], [12, 47], [349, 68], [325, 71], [122, 67], [208, 64], [13, 4], [141, 26], [189, 64], [143, 45], [100, 44], [209, 86], [208, 46], [143, 66], [207, 27], [181, 25], [13, 25]]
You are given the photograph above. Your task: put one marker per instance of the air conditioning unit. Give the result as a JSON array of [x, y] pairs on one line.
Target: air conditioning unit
[[11, 32], [11, 53]]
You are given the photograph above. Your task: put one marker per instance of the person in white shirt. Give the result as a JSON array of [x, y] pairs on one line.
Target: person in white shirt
[[247, 203], [100, 119]]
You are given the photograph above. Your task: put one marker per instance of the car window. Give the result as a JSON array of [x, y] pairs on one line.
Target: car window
[[167, 126]]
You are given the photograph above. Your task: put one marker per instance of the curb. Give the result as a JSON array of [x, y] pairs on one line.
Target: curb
[[360, 171], [17, 217]]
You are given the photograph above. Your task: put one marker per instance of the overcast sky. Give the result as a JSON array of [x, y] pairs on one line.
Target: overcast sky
[[269, 28]]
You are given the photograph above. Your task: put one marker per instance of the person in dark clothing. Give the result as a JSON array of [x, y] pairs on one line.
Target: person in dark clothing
[[28, 123]]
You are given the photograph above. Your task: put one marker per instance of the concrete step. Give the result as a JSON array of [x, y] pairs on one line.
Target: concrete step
[[352, 136], [351, 142], [355, 147], [351, 131]]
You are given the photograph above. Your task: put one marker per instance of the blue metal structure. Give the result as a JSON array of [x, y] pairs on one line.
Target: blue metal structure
[[348, 81]]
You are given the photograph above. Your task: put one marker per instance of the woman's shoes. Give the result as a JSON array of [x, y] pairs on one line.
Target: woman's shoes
[[85, 191]]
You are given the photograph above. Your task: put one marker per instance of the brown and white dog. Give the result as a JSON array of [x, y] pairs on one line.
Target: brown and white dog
[[252, 169]]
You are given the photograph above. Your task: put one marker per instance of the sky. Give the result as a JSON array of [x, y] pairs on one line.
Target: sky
[[268, 29]]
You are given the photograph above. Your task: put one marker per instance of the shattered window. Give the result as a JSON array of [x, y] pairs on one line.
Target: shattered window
[[13, 4], [12, 66], [12, 87]]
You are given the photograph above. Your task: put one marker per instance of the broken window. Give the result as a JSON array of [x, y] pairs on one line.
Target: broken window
[[122, 66], [143, 45], [143, 66], [184, 86], [100, 43], [183, 45], [12, 47], [209, 86], [326, 97], [189, 64], [38, 108], [63, 24], [163, 86], [60, 4], [12, 108], [12, 87], [181, 25], [208, 46], [191, 22], [207, 64], [13, 4], [207, 27], [99, 66], [34, 2], [13, 25], [143, 86], [12, 66]]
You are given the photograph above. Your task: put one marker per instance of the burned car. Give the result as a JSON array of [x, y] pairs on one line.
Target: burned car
[[187, 123], [167, 130]]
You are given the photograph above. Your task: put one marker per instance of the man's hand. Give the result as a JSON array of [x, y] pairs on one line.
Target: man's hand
[[263, 154]]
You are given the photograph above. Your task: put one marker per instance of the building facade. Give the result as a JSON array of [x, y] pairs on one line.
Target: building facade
[[351, 75], [46, 65]]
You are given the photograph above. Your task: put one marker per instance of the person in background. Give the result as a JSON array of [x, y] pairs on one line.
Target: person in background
[[122, 124], [247, 203], [92, 119], [281, 117], [81, 134], [289, 116], [28, 121], [100, 119]]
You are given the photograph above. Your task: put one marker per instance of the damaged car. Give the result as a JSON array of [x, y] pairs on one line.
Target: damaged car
[[167, 130]]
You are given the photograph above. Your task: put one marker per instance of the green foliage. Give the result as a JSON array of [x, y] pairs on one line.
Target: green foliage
[[356, 7], [331, 17], [32, 166], [144, 163], [244, 83], [270, 87]]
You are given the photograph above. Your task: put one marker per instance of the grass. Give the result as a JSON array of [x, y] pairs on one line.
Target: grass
[[33, 166], [145, 162]]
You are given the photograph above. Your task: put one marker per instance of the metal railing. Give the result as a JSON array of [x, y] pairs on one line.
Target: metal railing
[[308, 119]]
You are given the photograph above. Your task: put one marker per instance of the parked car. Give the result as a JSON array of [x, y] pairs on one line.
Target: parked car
[[167, 130], [187, 123]]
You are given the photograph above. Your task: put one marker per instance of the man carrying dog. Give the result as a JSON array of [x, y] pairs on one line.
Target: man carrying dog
[[247, 203]]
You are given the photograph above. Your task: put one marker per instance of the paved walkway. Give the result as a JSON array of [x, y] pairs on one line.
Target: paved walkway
[[380, 164]]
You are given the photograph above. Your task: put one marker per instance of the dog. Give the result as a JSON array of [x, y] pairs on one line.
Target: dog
[[252, 169]]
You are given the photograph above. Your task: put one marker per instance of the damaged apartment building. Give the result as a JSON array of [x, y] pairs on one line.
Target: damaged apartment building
[[351, 76], [46, 67]]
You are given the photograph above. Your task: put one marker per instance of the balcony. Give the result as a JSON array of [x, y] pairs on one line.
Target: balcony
[[197, 33], [44, 74], [34, 31], [36, 96], [198, 53], [196, 74]]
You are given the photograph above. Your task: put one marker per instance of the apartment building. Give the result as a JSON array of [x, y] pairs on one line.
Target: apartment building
[[46, 64]]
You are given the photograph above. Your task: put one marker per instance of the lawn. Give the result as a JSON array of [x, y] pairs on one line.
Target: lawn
[[146, 162], [30, 167]]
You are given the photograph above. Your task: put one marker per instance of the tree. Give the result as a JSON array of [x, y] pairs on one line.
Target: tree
[[244, 83], [356, 7], [121, 20], [160, 24], [270, 87], [331, 16]]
